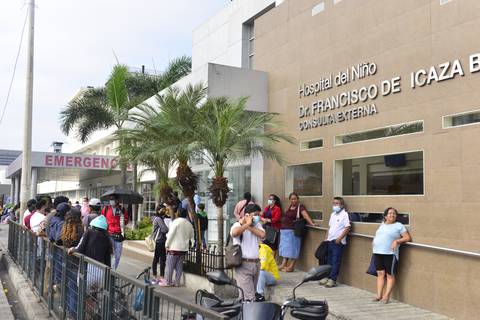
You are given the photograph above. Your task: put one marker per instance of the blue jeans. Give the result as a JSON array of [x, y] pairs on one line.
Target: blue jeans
[[265, 278], [335, 252], [117, 252]]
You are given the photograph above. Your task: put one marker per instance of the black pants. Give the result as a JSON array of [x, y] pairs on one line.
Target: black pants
[[160, 254]]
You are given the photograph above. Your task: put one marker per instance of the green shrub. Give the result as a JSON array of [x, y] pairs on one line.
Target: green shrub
[[143, 230]]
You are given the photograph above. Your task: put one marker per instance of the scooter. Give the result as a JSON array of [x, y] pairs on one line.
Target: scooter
[[300, 308]]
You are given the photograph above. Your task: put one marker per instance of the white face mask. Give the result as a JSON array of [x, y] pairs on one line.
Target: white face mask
[[270, 202], [112, 203]]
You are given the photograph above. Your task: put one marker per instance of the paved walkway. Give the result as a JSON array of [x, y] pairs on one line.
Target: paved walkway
[[5, 310], [347, 302]]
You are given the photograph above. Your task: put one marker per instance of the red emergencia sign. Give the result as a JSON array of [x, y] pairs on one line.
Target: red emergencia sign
[[79, 161]]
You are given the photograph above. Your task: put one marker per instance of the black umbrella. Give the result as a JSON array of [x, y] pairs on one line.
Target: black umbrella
[[124, 195]]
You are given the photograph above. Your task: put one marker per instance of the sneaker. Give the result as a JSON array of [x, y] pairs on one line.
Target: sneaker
[[259, 297], [323, 281], [331, 283]]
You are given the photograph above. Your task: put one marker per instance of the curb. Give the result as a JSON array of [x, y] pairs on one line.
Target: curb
[[32, 305]]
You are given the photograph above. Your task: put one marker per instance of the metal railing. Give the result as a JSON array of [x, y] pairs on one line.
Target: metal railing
[[201, 261], [77, 287]]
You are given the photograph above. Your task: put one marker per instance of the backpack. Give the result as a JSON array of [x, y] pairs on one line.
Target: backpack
[[233, 253]]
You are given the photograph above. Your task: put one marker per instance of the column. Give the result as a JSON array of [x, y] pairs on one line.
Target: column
[[33, 186], [12, 190], [17, 189]]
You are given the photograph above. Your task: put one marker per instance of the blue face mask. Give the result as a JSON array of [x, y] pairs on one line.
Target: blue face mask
[[336, 209], [256, 219]]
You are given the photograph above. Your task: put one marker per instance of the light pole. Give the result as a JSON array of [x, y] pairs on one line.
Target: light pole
[[27, 124]]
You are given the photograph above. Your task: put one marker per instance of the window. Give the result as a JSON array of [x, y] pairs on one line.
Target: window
[[392, 174], [305, 179], [148, 199], [377, 217], [312, 144], [251, 44], [391, 131], [315, 214], [461, 119]]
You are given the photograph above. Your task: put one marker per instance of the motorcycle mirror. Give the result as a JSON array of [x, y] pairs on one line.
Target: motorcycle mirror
[[317, 273], [218, 277]]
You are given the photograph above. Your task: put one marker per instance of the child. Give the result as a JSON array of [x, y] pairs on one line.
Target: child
[[203, 220]]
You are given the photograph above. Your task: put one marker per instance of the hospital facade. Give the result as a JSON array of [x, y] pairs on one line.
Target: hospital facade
[[383, 100]]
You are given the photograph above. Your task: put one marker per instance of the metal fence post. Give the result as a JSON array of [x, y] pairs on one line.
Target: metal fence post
[[81, 289], [50, 278], [107, 294], [63, 290], [43, 257]]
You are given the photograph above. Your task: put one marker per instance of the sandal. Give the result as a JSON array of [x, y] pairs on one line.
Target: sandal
[[376, 299], [385, 301]]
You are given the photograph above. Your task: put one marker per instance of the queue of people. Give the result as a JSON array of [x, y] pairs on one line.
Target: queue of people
[[261, 234], [266, 236]]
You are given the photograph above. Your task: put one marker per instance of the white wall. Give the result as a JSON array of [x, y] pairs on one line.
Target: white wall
[[219, 40]]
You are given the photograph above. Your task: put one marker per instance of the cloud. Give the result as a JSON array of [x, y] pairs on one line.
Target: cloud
[[74, 45]]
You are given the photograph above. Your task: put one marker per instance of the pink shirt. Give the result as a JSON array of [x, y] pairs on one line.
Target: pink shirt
[[239, 210]]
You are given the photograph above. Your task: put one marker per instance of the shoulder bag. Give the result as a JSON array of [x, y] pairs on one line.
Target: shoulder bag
[[300, 224], [233, 253]]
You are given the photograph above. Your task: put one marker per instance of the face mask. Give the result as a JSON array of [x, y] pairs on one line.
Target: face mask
[[270, 202], [112, 203], [337, 208], [256, 219]]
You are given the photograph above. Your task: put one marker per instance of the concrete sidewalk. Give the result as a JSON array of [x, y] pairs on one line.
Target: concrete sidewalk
[[345, 302]]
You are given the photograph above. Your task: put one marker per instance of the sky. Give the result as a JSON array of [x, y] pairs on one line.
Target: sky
[[75, 46]]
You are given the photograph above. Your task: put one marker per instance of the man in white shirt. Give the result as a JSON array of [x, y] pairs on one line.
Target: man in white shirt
[[338, 228], [37, 221], [248, 233]]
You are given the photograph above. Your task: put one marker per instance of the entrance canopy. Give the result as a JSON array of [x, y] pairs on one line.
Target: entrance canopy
[[66, 167]]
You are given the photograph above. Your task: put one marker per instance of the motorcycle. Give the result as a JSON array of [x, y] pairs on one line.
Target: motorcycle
[[239, 309]]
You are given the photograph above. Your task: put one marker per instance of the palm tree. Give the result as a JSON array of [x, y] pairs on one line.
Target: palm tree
[[105, 107], [224, 133]]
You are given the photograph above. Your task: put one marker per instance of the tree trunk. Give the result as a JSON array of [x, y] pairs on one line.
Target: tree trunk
[[158, 198], [135, 206], [220, 232], [123, 171]]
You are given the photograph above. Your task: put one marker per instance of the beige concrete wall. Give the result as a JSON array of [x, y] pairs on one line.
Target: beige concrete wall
[[295, 47]]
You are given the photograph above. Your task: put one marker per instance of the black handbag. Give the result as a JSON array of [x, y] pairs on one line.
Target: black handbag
[[271, 234], [299, 225], [233, 253], [322, 253]]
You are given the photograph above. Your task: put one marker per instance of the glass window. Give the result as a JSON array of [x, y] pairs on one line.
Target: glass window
[[393, 174], [461, 119], [376, 217], [315, 214], [312, 144], [391, 131], [148, 199], [305, 179]]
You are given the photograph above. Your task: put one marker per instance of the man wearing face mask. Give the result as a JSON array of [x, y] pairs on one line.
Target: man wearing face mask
[[338, 228], [117, 219], [248, 233]]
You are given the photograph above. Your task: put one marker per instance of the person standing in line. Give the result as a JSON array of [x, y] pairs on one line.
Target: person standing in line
[[72, 229], [53, 212], [94, 208], [56, 223], [248, 233], [179, 237], [338, 228], [290, 244], [268, 270], [272, 216], [203, 220], [37, 221], [160, 231], [239, 210], [388, 238], [85, 210], [117, 219], [29, 212]]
